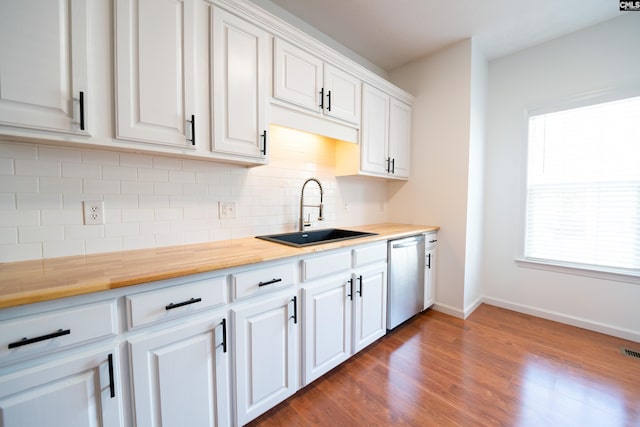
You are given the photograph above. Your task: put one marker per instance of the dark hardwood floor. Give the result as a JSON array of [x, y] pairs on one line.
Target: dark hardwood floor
[[497, 368]]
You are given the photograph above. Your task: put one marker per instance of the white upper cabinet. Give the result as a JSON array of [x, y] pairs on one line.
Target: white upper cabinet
[[239, 82], [385, 138], [375, 131], [43, 65], [399, 138], [304, 80], [155, 76]]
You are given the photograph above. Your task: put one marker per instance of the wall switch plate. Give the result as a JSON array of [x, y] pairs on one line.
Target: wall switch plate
[[93, 212], [226, 210]]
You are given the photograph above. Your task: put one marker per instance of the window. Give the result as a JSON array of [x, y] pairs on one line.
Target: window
[[583, 187]]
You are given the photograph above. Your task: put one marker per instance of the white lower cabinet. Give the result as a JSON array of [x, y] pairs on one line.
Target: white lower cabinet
[[370, 306], [79, 390], [266, 352], [327, 325], [180, 375], [430, 270]]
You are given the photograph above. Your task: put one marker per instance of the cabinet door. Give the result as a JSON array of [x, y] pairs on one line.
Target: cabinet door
[[370, 318], [239, 64], [74, 391], [327, 326], [374, 131], [297, 76], [399, 138], [154, 55], [181, 376], [266, 354], [342, 93], [43, 64], [430, 271]]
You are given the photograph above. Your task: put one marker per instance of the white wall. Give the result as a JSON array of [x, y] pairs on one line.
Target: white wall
[[475, 195], [599, 58], [153, 201], [436, 194]]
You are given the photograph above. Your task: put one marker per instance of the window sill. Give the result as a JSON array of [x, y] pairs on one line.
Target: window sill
[[617, 275]]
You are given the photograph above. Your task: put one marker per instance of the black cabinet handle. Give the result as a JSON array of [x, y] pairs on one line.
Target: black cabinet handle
[[27, 341], [264, 143], [350, 289], [360, 291], [193, 129], [322, 99], [81, 102], [270, 282], [393, 166], [429, 261], [182, 304], [388, 168], [112, 384], [329, 99], [295, 310], [224, 335]]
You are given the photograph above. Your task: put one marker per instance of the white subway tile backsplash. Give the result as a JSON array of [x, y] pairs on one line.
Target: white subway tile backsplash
[[41, 168], [27, 201], [40, 233], [60, 185], [119, 173], [8, 235], [61, 216], [10, 150], [18, 184], [135, 187], [79, 170], [59, 154], [153, 175], [17, 218], [7, 201], [101, 157], [6, 166], [140, 215], [94, 186], [155, 201], [76, 232], [136, 160], [169, 163], [106, 244], [182, 177], [20, 252], [67, 247]]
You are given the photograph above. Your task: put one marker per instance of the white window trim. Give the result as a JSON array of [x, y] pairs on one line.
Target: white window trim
[[587, 270]]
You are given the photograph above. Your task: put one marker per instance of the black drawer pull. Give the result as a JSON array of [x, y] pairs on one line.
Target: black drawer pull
[[27, 341], [224, 335], [433, 241], [81, 102], [112, 384], [270, 282], [182, 304]]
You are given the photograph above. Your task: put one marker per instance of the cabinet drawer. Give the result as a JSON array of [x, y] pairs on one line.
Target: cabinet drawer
[[370, 255], [165, 304], [325, 265], [254, 282], [54, 330]]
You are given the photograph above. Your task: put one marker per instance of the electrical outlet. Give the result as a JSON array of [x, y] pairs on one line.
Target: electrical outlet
[[93, 212], [226, 210]]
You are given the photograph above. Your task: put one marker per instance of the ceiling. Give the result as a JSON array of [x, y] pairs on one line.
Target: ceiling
[[390, 33]]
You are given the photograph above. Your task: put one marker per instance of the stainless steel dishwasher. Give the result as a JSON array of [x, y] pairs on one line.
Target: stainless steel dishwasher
[[405, 290]]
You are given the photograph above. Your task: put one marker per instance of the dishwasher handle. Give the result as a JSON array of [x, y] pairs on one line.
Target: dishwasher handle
[[405, 243]]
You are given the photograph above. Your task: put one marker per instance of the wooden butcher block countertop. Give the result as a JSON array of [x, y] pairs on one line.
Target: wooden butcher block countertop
[[28, 282]]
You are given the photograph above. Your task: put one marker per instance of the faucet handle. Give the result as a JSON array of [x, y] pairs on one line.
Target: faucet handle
[[307, 223]]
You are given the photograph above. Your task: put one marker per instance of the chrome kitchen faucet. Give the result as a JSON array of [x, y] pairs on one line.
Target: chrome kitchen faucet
[[302, 205]]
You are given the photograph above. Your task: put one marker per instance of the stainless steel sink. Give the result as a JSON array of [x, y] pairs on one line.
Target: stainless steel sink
[[314, 237]]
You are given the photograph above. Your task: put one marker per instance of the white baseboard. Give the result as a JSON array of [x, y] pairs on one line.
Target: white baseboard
[[447, 309], [470, 308], [603, 328]]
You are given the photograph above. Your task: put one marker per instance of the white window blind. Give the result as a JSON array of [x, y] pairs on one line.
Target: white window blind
[[583, 187]]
